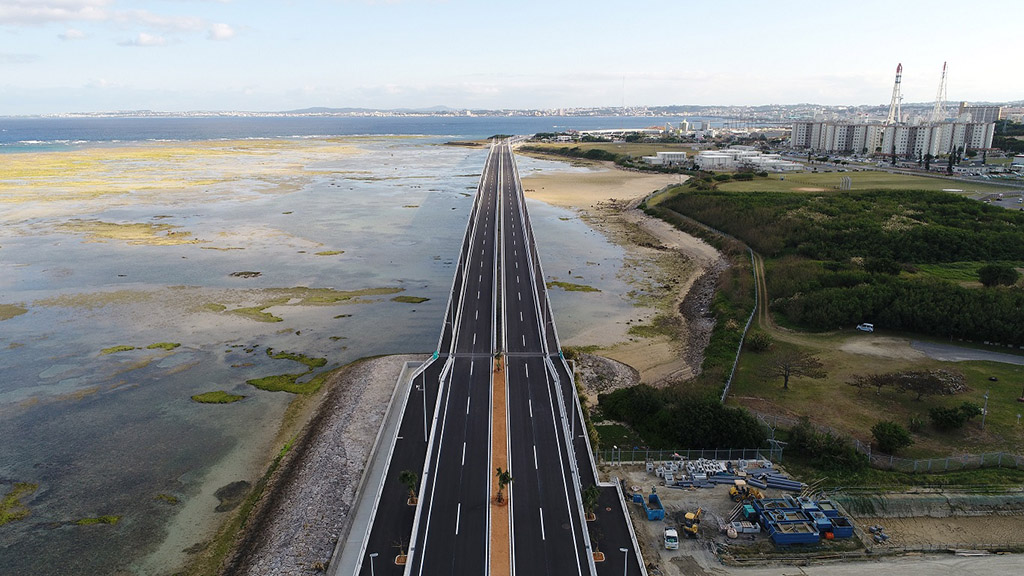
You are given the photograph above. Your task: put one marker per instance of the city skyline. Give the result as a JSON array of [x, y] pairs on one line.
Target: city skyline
[[66, 56]]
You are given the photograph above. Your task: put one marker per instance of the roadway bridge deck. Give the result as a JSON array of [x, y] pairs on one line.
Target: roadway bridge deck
[[498, 311]]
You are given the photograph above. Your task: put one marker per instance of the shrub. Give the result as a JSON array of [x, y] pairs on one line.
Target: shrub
[[759, 341], [955, 417], [882, 266], [827, 451], [722, 177], [998, 275], [891, 437], [916, 424]]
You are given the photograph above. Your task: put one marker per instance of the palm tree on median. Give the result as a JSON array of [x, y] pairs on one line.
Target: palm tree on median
[[504, 479]]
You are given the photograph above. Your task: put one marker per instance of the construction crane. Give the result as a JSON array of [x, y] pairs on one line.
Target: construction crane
[[939, 111], [895, 113]]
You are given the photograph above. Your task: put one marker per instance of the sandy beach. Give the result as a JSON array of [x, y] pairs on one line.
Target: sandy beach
[[663, 264]]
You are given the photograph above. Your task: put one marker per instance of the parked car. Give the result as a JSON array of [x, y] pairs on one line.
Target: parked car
[[866, 327]]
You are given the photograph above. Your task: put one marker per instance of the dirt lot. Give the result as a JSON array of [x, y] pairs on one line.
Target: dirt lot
[[966, 532], [997, 522], [692, 554]]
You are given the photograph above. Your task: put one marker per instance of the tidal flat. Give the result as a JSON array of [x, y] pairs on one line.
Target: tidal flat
[[341, 234]]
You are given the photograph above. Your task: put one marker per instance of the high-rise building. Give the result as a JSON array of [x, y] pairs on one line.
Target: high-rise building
[[910, 140], [981, 113]]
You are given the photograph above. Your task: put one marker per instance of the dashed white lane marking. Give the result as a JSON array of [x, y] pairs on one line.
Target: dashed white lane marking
[[458, 515], [464, 454], [535, 466], [542, 537]]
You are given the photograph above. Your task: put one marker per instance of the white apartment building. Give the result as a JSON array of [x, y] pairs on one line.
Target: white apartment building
[[673, 158], [911, 140]]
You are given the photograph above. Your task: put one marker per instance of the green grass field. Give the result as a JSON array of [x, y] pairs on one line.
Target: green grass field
[[859, 180], [832, 402], [868, 180]]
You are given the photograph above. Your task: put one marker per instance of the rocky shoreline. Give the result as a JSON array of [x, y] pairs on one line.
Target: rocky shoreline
[[306, 504]]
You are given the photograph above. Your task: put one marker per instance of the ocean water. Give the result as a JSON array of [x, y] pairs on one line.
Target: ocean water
[[21, 133], [117, 434]]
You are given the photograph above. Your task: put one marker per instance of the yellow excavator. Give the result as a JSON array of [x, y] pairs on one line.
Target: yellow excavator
[[741, 492], [691, 523]]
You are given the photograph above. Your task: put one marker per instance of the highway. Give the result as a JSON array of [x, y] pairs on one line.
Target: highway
[[547, 520], [498, 306], [451, 535], [392, 525]]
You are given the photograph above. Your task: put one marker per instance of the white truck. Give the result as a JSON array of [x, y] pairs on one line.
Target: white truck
[[671, 539]]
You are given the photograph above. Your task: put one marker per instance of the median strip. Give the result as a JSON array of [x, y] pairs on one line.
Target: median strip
[[501, 544]]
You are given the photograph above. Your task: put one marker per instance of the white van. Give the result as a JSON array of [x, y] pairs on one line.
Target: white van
[[866, 327]]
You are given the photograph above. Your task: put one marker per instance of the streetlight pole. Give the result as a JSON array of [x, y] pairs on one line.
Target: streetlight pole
[[625, 559], [984, 411], [372, 556]]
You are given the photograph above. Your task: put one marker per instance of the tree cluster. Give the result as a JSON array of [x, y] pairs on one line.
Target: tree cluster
[[921, 382], [826, 451], [669, 418], [998, 275], [953, 418], [901, 225]]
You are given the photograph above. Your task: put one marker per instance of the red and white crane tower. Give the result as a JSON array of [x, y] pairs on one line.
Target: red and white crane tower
[[895, 114], [939, 111]]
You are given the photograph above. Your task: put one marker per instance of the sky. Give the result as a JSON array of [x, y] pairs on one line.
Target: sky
[[61, 56]]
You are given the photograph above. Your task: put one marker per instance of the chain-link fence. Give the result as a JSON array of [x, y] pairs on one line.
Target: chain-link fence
[[637, 455], [889, 462]]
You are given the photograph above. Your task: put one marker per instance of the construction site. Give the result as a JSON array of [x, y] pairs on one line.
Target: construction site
[[750, 512]]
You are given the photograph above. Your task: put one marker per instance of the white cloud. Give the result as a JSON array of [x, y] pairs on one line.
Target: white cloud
[[44, 11], [72, 34], [145, 40], [220, 31]]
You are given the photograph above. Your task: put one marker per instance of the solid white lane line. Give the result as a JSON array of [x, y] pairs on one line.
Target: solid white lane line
[[542, 537], [535, 466], [458, 516]]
